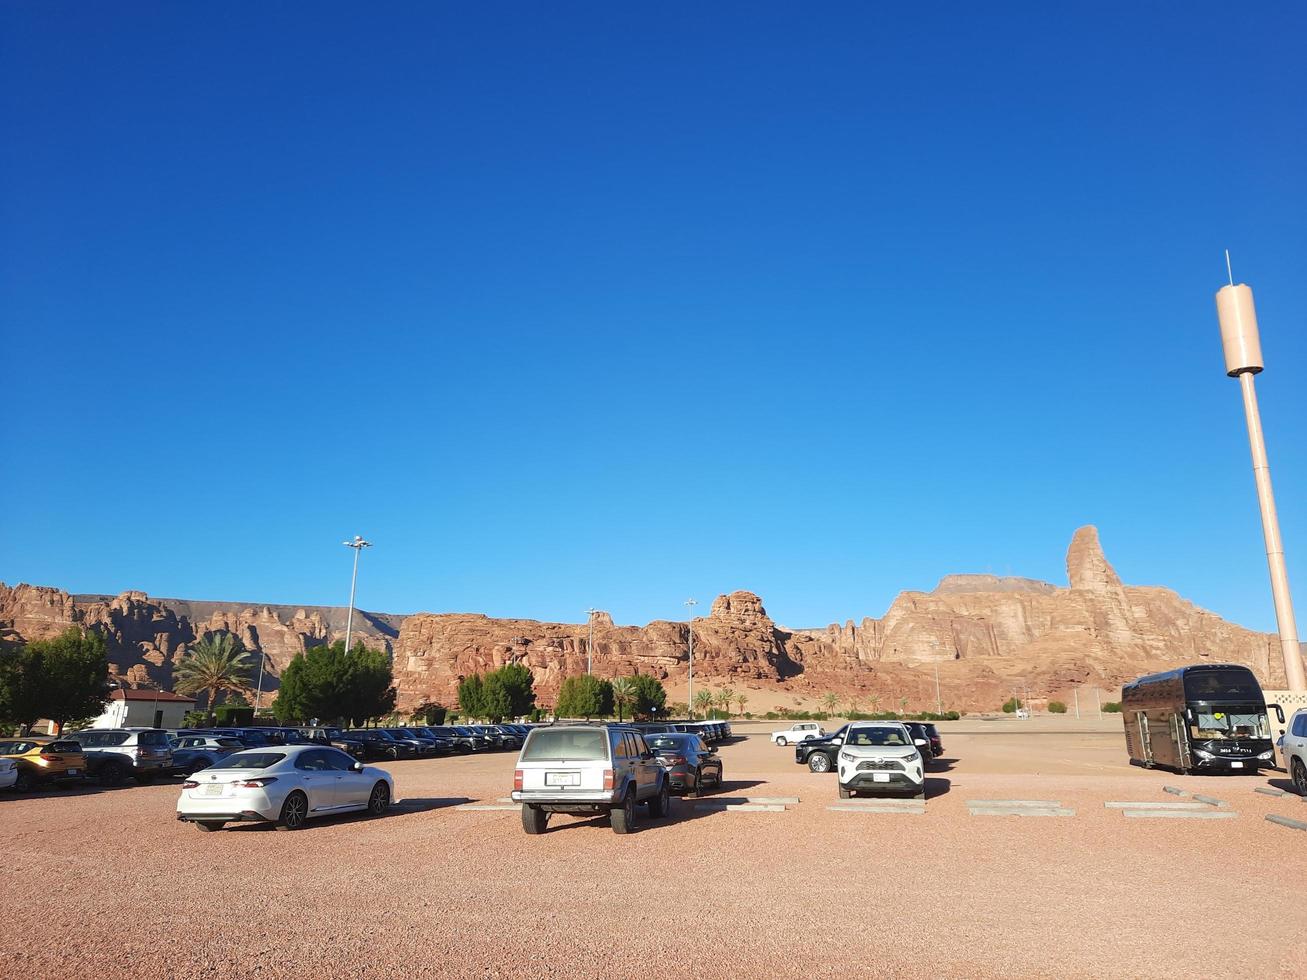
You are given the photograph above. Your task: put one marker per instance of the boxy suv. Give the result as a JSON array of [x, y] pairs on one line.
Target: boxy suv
[[113, 754], [588, 769], [1293, 750], [879, 756]]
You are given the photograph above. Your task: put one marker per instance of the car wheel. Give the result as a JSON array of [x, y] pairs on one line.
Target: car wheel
[[845, 792], [26, 782], [379, 801], [717, 779], [782, 741], [294, 812], [534, 819], [622, 818], [210, 825], [819, 762], [1300, 777], [660, 805]]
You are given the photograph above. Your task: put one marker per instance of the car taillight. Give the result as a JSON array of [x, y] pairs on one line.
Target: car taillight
[[190, 784], [51, 758], [517, 779], [255, 783], [673, 760], [609, 777]]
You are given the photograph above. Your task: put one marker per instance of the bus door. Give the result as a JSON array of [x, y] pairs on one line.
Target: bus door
[[1180, 731], [1145, 743]]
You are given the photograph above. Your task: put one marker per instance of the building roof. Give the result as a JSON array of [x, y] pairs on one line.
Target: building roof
[[142, 694]]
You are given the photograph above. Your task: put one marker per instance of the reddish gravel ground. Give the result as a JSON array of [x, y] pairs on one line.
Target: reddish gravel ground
[[106, 883]]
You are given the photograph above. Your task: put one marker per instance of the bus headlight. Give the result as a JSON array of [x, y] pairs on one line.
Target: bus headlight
[[1267, 755]]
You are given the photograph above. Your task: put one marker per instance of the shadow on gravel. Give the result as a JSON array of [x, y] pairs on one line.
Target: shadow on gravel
[[683, 809], [421, 804], [942, 764], [937, 786], [1284, 783]]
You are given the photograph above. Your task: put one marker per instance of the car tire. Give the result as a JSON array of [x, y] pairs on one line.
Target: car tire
[[25, 783], [845, 792], [622, 818], [210, 825], [379, 800], [819, 762], [717, 779], [534, 819], [1299, 772], [660, 805], [294, 812], [782, 742]]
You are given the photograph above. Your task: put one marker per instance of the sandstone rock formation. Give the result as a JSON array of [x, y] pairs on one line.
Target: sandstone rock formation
[[981, 638]]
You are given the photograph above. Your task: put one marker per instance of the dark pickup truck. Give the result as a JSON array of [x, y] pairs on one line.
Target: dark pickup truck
[[821, 754]]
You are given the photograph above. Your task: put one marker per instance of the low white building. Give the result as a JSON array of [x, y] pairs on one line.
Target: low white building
[[140, 708]]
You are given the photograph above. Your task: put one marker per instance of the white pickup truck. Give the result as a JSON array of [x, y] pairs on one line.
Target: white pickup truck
[[801, 731]]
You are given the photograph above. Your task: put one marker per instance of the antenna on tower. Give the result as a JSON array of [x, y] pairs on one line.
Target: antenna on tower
[[1228, 271]]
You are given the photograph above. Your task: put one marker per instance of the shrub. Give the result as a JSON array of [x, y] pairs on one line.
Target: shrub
[[1056, 708], [1011, 705], [1112, 707], [771, 716]]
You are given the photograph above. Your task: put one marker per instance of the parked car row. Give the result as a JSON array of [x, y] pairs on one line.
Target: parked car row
[[709, 731], [822, 754]]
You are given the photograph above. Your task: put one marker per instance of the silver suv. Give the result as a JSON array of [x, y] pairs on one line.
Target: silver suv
[[113, 754], [588, 769]]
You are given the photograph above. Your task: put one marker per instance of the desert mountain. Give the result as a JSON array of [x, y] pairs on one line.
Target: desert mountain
[[984, 637]]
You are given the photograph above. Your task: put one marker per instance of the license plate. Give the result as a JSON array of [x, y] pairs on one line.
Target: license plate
[[562, 779], [1236, 765], [213, 789], [880, 777], [73, 772]]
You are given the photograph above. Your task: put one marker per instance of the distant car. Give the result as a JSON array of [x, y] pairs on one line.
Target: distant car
[[1023, 713], [480, 741], [1293, 750], [936, 741], [424, 747], [462, 741], [921, 739], [380, 744], [336, 738], [880, 756], [691, 764], [191, 753], [113, 754], [287, 784], [37, 761], [798, 732], [820, 754], [588, 769]]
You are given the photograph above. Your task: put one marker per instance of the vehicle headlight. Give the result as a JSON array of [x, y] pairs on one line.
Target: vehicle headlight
[[1201, 754], [1267, 755], [846, 757], [914, 757]]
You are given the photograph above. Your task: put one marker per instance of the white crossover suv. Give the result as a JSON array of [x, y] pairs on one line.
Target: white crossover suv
[[799, 732], [880, 757], [1293, 750]]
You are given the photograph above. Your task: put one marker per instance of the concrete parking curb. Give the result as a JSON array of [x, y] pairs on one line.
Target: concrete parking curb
[[1286, 821], [1210, 800], [1149, 805], [1208, 814], [1021, 811], [877, 808], [1037, 803], [1268, 791], [742, 807], [1174, 791]]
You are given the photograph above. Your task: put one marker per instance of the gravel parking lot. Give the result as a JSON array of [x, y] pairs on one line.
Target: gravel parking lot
[[105, 882]]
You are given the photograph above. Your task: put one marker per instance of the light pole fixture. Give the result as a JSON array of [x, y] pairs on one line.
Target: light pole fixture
[[358, 544], [689, 697], [590, 645], [1243, 359]]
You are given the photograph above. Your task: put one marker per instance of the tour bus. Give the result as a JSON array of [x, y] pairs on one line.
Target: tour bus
[[1205, 718]]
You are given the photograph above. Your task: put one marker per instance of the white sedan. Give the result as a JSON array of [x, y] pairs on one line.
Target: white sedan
[[286, 784]]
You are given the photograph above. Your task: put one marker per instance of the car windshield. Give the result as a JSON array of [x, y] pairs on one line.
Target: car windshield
[[249, 760], [464, 731], [567, 745], [876, 736], [17, 748], [1232, 721]]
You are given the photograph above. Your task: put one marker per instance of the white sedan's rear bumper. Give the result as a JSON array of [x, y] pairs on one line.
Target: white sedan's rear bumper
[[248, 805]]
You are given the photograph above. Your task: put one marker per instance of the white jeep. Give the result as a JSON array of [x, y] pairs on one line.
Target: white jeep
[[799, 732], [880, 756]]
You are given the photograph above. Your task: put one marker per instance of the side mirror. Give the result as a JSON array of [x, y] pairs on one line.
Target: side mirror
[[920, 741], [357, 767], [1279, 712]]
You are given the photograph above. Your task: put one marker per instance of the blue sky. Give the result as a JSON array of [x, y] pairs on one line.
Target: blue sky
[[591, 304]]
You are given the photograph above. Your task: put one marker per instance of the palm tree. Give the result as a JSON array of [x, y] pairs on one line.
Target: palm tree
[[703, 701], [215, 664], [903, 705], [724, 698], [853, 705], [874, 699], [741, 699], [830, 701], [623, 693]]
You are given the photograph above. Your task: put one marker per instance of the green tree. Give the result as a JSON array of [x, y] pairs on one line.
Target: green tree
[[1112, 707], [428, 713], [741, 700], [852, 706], [584, 696], [650, 696], [830, 701], [1056, 708], [703, 702], [874, 701], [62, 678], [520, 685], [496, 704], [471, 696], [623, 694], [215, 665], [1011, 705], [331, 685], [724, 698]]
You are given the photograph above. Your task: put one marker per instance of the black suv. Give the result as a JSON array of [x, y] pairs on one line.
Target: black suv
[[380, 744]]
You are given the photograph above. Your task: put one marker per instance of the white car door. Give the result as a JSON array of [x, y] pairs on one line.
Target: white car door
[[317, 778], [352, 788]]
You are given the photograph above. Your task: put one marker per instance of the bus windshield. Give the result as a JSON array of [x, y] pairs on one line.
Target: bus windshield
[[1233, 721]]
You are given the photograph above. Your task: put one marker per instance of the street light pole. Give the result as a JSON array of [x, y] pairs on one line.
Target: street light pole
[[689, 697], [1076, 692], [1243, 360], [590, 648], [358, 544], [258, 696], [939, 703]]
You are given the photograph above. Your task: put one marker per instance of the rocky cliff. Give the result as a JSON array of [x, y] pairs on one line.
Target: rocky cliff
[[980, 638]]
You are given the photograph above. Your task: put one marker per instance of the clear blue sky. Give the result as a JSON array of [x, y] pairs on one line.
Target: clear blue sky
[[604, 304]]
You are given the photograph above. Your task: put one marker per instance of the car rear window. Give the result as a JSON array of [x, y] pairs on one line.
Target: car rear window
[[249, 760], [668, 741], [569, 745], [16, 748], [152, 738]]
